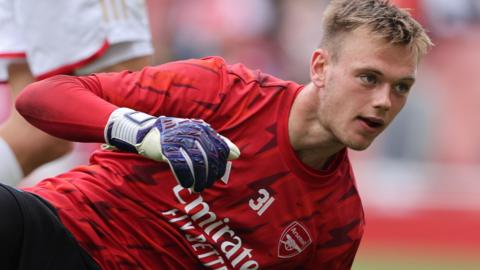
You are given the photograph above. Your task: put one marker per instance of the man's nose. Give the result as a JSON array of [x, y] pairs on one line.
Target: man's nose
[[382, 98]]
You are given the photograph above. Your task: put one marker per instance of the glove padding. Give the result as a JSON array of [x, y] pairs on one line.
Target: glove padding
[[196, 153]]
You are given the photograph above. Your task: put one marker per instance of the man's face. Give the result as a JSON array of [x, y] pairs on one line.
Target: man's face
[[365, 87]]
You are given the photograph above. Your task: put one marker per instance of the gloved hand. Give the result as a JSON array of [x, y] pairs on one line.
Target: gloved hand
[[196, 153]]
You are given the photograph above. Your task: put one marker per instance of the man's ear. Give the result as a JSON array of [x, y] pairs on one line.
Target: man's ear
[[318, 66]]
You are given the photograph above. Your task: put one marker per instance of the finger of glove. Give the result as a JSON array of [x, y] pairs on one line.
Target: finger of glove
[[216, 171], [222, 145], [234, 151], [201, 166], [180, 164], [195, 159], [215, 157]]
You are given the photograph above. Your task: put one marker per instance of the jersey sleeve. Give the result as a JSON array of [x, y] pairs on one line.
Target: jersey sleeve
[[77, 108]]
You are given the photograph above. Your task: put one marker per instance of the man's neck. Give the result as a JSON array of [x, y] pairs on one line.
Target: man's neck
[[313, 144]]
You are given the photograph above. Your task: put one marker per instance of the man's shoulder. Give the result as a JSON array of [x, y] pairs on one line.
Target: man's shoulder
[[247, 75], [239, 71], [208, 62]]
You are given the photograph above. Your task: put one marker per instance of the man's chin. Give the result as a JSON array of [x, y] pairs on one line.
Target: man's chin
[[359, 146]]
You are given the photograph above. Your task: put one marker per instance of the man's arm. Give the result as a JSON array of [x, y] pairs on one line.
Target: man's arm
[[66, 107], [87, 109], [78, 108]]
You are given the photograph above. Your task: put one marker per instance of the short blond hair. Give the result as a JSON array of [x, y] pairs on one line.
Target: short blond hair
[[380, 17]]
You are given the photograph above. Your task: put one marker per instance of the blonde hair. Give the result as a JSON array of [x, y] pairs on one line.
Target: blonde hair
[[383, 19]]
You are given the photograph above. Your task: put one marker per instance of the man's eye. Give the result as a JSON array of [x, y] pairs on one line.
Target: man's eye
[[368, 79], [402, 88]]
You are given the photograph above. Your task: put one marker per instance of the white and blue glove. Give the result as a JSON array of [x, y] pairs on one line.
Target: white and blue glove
[[196, 153]]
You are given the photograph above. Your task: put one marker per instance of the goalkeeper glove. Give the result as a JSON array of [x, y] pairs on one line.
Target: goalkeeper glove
[[196, 153]]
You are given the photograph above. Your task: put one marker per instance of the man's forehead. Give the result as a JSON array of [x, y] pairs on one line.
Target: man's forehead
[[379, 55]]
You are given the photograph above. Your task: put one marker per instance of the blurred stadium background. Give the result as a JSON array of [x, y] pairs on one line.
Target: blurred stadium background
[[420, 182]]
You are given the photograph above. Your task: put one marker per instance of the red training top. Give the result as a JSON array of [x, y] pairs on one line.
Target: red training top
[[127, 211]]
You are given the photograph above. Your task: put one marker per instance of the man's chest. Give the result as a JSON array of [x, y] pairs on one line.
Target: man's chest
[[271, 215]]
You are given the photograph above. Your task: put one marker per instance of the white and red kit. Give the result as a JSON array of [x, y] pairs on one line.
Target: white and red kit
[[81, 36], [272, 212]]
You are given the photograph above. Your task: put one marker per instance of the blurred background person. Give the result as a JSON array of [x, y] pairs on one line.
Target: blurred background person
[[39, 39]]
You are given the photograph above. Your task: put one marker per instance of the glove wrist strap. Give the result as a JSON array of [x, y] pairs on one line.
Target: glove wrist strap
[[126, 128]]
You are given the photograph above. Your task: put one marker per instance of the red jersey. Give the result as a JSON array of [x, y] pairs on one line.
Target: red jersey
[[272, 211]]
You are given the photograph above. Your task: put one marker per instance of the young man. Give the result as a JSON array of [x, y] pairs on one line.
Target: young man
[[289, 201], [39, 39]]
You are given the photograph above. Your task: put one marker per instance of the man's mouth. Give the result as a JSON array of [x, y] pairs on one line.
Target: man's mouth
[[372, 122]]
